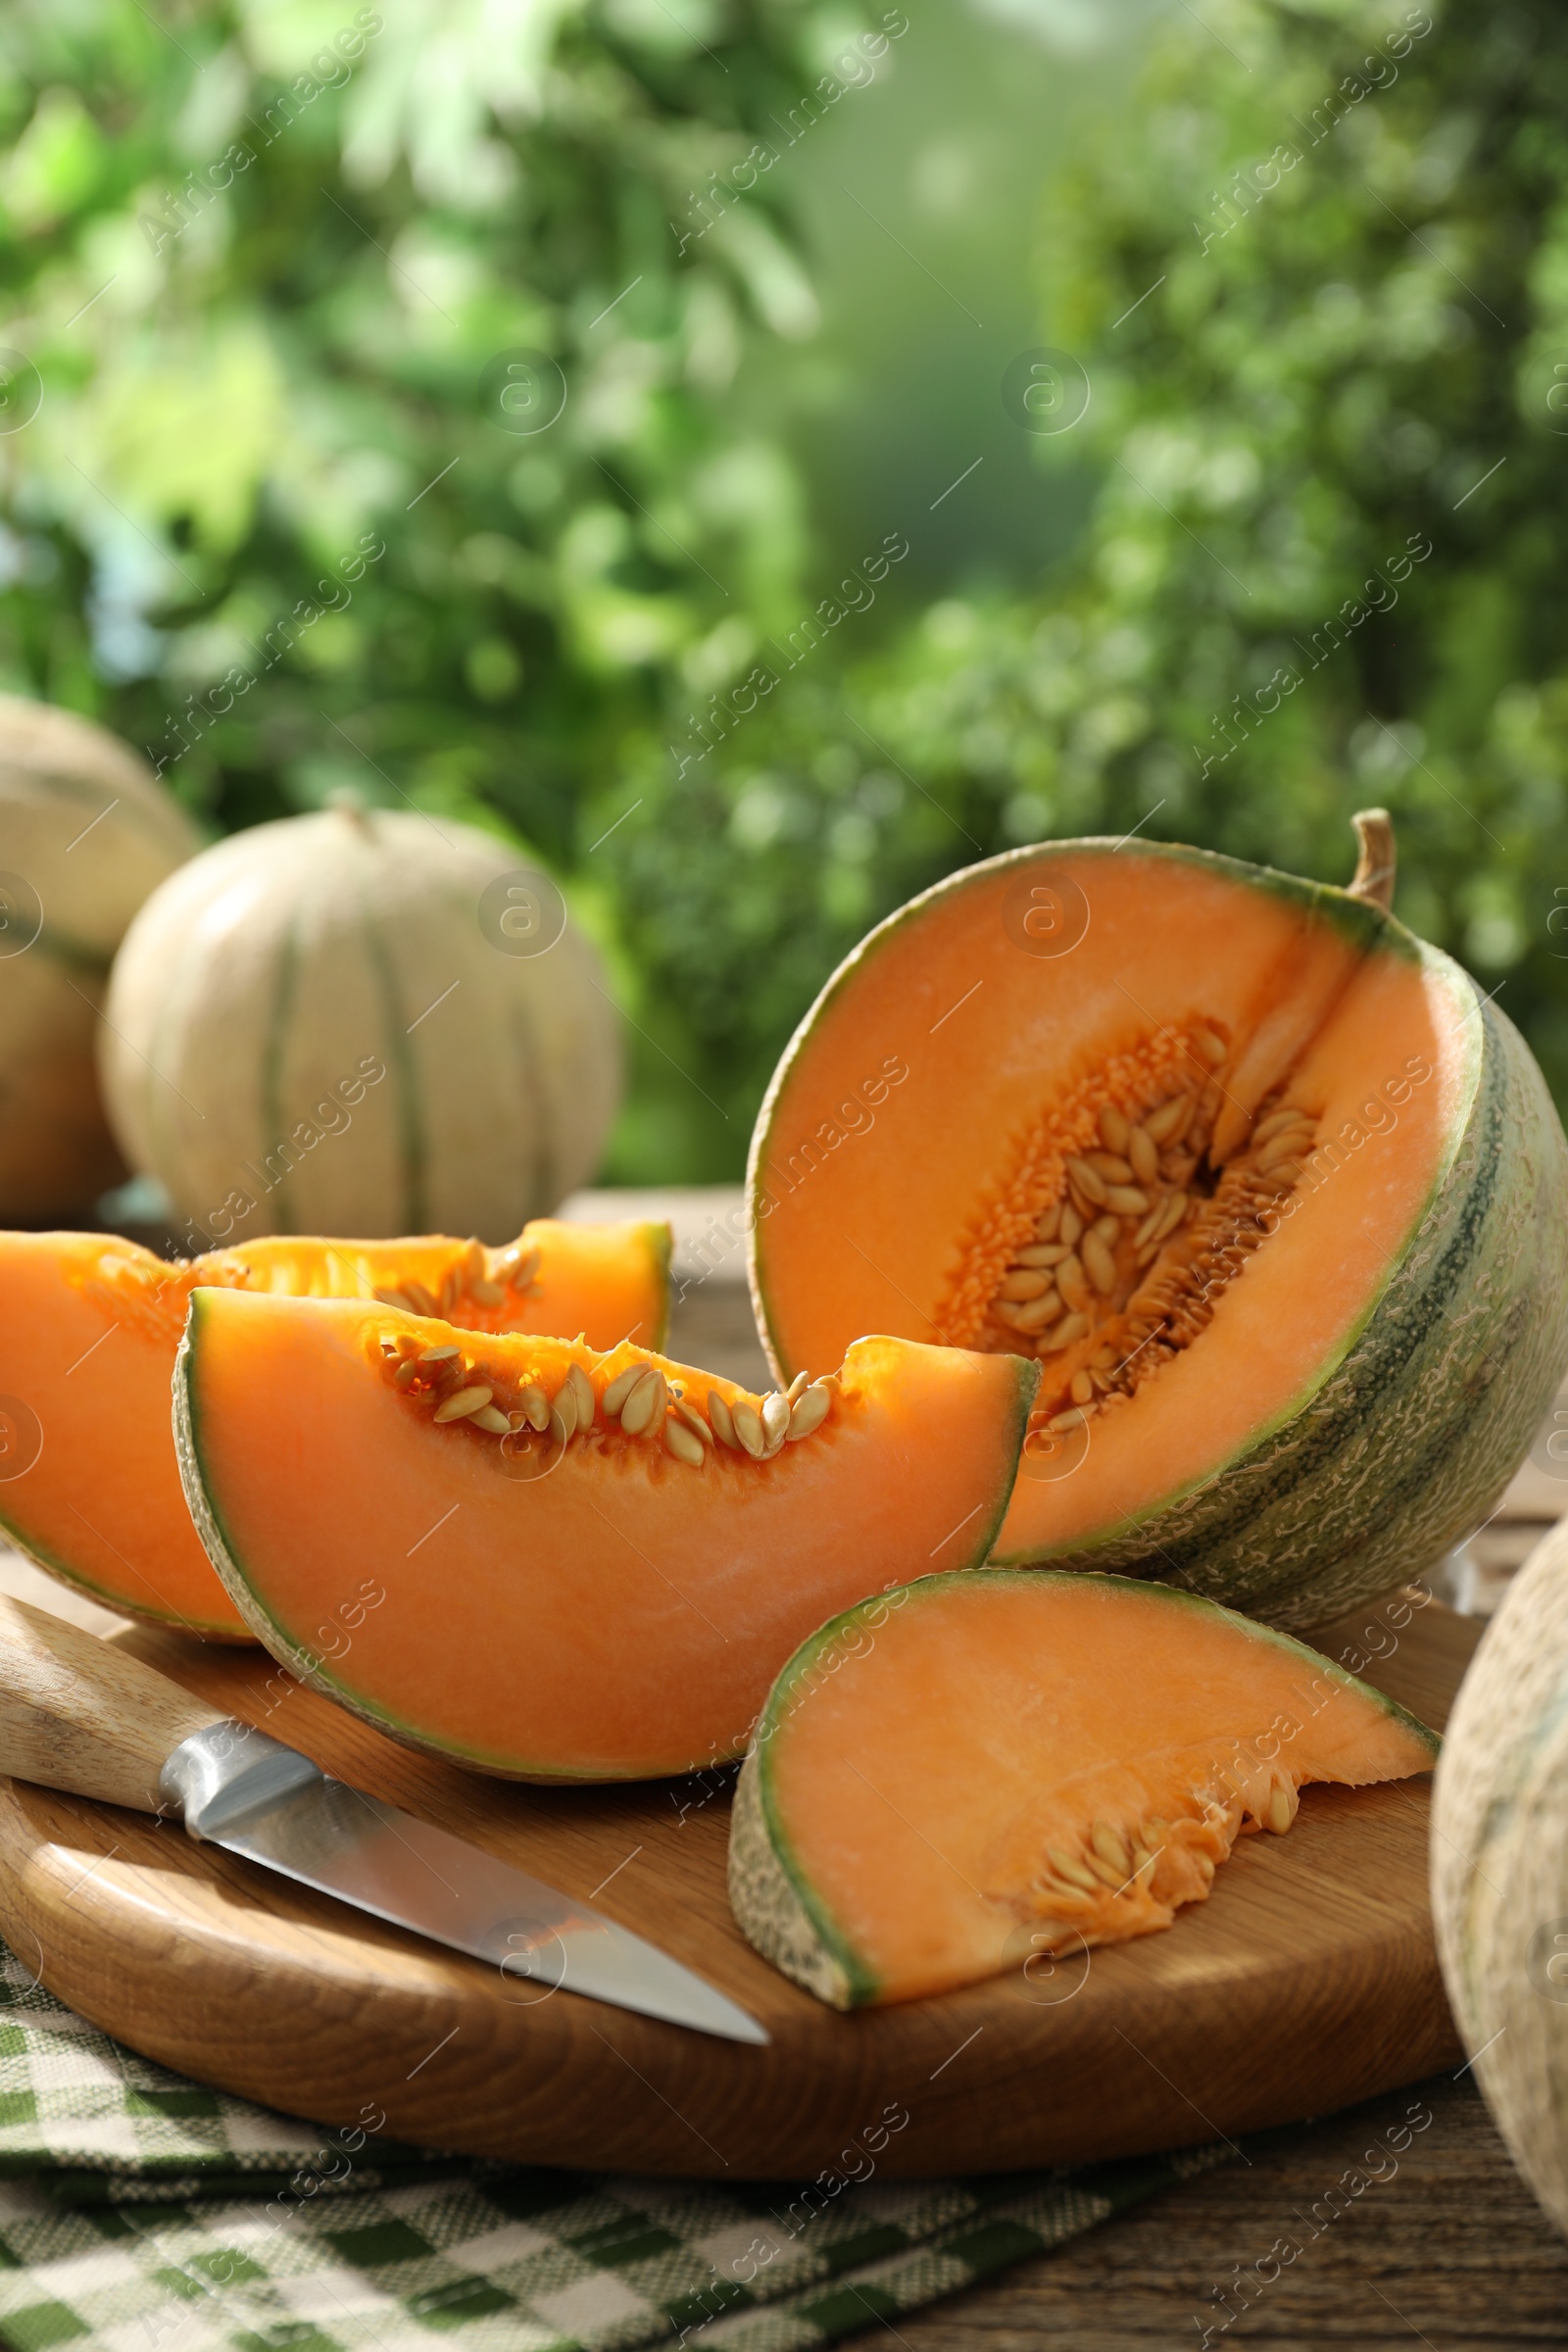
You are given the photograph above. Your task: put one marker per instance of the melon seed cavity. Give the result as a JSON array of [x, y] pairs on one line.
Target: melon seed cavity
[[458, 1391], [1106, 1253]]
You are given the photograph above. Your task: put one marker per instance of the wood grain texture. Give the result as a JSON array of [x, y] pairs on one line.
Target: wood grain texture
[[1450, 2251], [1307, 1979], [84, 1715]]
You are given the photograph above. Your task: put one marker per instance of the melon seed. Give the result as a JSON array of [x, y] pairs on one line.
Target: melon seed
[[1281, 1146], [694, 1421], [683, 1443], [1070, 1328], [1024, 1285], [488, 1418], [1145, 1157], [407, 1372], [1072, 1225], [1107, 1874], [462, 1402], [1041, 1253], [809, 1413], [488, 1293], [563, 1414], [582, 1389], [1171, 1216], [620, 1388], [1087, 1180], [436, 1355], [1112, 1166], [1114, 1128], [391, 1296], [1211, 1047], [1109, 1847], [795, 1387], [1281, 1813], [775, 1418], [1126, 1199], [1083, 1388], [1099, 1265], [1037, 1314], [644, 1406], [1047, 1223], [748, 1428], [719, 1421], [1073, 1418], [1073, 1872], [1072, 1284], [534, 1405], [1287, 1115], [418, 1298]]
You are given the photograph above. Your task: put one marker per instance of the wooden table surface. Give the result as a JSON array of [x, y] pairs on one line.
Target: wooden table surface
[[1450, 2251], [1447, 2248]]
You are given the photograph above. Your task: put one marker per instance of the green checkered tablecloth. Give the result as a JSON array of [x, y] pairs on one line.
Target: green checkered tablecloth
[[141, 2213]]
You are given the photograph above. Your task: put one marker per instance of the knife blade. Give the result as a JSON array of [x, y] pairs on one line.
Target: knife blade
[[77, 1714]]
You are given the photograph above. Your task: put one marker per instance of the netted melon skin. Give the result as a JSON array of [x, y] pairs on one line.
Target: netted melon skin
[[767, 1904], [1500, 1870], [1405, 1445]]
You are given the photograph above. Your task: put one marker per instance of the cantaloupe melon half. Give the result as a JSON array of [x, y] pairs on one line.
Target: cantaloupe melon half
[[583, 1566], [1278, 1202], [960, 1775], [89, 1327]]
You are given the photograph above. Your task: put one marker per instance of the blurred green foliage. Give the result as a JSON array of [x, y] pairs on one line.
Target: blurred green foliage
[[1324, 566], [1316, 270], [261, 256]]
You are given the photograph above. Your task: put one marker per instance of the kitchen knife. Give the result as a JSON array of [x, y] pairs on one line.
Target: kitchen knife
[[79, 1714]]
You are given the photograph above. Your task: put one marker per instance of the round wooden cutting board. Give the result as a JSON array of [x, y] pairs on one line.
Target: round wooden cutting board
[[1307, 1980]]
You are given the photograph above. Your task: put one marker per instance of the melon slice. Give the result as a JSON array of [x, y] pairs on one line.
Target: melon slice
[[1280, 1207], [585, 1566], [960, 1774], [90, 1325]]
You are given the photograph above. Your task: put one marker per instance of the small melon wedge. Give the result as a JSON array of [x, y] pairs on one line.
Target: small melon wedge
[[585, 1566], [962, 1773], [90, 1325]]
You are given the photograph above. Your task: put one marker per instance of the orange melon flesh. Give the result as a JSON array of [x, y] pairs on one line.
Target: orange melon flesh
[[89, 1329], [962, 1774], [596, 1610], [891, 1172]]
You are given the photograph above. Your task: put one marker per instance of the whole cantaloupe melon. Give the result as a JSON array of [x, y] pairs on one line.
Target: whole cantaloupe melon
[[1499, 1869], [85, 833], [361, 1021]]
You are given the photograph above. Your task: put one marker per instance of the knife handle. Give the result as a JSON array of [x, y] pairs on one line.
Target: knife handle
[[77, 1714]]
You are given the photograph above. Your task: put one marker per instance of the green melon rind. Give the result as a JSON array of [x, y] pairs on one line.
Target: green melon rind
[[1363, 922], [772, 1895], [207, 1628], [1424, 1417], [1499, 1868], [274, 1637]]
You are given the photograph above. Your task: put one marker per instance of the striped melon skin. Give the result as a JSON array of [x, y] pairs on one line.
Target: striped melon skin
[[89, 832], [1499, 1869], [318, 1027], [1401, 1449]]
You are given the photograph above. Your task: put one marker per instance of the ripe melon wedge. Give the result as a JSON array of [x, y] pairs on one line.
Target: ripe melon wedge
[[965, 1773], [1280, 1204], [575, 1573], [89, 1328]]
